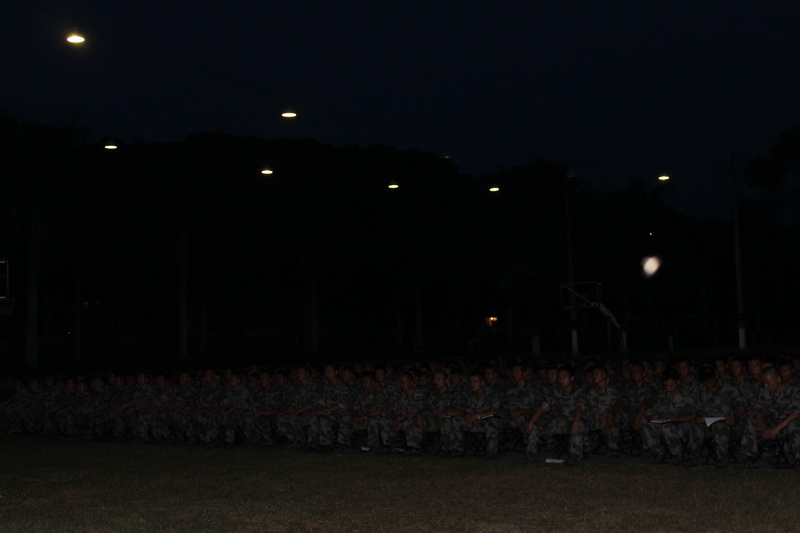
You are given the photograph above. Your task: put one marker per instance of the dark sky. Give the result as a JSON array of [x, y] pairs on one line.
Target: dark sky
[[613, 89]]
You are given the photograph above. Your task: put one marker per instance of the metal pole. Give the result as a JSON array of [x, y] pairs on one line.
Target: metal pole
[[738, 257], [573, 318]]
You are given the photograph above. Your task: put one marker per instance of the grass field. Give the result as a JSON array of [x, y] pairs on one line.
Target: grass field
[[49, 485]]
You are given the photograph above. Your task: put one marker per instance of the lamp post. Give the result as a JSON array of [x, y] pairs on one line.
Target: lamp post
[[573, 314], [737, 255]]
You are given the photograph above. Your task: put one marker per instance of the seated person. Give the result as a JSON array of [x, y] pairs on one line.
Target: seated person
[[669, 421]]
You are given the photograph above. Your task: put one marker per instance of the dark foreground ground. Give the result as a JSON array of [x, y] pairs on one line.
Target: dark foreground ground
[[51, 485]]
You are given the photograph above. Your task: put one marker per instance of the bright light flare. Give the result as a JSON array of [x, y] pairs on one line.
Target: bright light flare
[[393, 185], [75, 38], [663, 177], [650, 266], [494, 189], [288, 114], [110, 146], [267, 171]]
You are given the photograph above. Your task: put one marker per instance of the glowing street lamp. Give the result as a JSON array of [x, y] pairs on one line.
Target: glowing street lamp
[[75, 38], [663, 177], [288, 114], [394, 185], [266, 171], [494, 188], [110, 144]]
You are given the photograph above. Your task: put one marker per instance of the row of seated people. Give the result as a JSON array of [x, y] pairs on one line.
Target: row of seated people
[[672, 411]]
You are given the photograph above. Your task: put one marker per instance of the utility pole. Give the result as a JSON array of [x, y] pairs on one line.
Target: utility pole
[[737, 257]]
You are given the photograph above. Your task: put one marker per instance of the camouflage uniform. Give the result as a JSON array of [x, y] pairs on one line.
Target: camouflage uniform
[[377, 426], [563, 408], [121, 415], [321, 428], [93, 420], [293, 427], [751, 400], [235, 402], [32, 413], [449, 427], [161, 418], [632, 399], [406, 404], [775, 408], [542, 397], [519, 399], [600, 402], [483, 402], [182, 398], [263, 428], [724, 402], [668, 405], [208, 417], [10, 422]]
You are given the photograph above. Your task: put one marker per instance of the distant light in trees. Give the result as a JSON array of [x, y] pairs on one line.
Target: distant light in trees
[[75, 38], [110, 144]]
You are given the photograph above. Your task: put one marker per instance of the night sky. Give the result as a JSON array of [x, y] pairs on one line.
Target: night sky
[[613, 89]]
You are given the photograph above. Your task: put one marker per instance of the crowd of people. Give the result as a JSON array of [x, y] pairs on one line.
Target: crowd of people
[[730, 409]]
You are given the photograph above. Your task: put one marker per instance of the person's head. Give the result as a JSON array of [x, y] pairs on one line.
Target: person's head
[[685, 368], [96, 384], [708, 376], [380, 374], [440, 380], [347, 375], [406, 381], [649, 370], [541, 373], [755, 365], [599, 375], [737, 367], [565, 376], [456, 378], [771, 379], [670, 379], [490, 375], [234, 380], [476, 382], [518, 374], [280, 379], [330, 373], [636, 371], [552, 375], [184, 379], [303, 374], [786, 370], [160, 381], [721, 367], [367, 381]]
